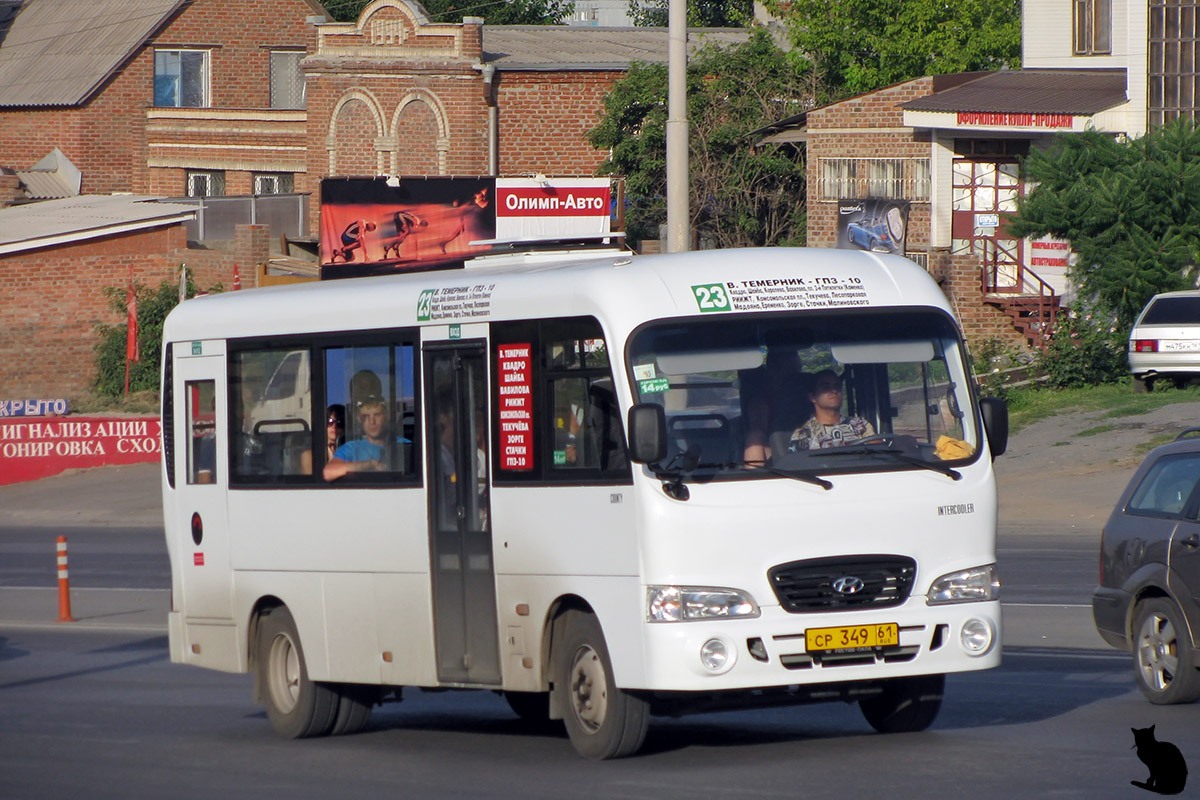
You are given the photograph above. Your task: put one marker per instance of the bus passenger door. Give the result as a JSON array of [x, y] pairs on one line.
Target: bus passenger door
[[460, 537], [201, 480]]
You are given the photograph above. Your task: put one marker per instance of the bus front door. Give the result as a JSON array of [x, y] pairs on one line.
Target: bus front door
[[464, 581]]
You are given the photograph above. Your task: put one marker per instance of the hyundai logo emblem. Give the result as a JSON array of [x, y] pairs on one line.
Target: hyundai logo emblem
[[848, 584]]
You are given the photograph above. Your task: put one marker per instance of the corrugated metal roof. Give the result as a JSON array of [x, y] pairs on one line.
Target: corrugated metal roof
[[52, 222], [57, 52], [1032, 91], [43, 184], [546, 47]]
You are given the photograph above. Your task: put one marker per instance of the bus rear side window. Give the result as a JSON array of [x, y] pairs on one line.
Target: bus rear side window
[[202, 424], [362, 380]]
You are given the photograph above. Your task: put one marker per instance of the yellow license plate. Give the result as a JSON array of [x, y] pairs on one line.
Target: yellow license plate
[[851, 637]]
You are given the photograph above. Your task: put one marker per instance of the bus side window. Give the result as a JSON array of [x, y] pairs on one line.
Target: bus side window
[[270, 398], [585, 422]]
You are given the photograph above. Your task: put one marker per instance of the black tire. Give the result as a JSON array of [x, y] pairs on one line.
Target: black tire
[[1164, 660], [530, 706], [355, 702], [602, 721], [905, 705], [296, 706], [1143, 385]]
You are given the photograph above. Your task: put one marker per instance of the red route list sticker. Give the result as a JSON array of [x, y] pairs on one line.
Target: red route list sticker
[[515, 402]]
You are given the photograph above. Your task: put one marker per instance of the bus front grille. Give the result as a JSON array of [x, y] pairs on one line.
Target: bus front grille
[[843, 582]]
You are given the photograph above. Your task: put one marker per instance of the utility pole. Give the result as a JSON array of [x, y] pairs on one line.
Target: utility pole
[[678, 233]]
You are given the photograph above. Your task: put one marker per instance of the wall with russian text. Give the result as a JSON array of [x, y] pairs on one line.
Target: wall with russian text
[[38, 447]]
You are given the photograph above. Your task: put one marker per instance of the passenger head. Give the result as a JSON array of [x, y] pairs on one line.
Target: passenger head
[[372, 415], [335, 422]]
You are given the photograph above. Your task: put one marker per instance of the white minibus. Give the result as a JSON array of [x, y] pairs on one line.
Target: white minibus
[[607, 486]]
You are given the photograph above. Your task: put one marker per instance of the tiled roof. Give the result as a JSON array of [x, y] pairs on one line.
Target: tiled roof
[[547, 47], [57, 52], [1032, 91]]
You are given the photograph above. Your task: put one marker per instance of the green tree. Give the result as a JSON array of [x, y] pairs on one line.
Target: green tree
[[494, 12], [153, 305], [862, 45], [739, 195], [1131, 211], [700, 13]]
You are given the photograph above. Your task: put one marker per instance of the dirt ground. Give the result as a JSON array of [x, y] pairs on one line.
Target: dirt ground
[[1053, 476]]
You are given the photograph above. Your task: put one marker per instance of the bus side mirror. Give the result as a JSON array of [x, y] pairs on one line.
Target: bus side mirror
[[995, 423], [647, 433]]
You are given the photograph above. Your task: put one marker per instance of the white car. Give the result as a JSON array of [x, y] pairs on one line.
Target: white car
[[1165, 339]]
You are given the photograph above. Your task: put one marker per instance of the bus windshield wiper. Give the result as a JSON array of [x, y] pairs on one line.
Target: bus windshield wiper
[[866, 450], [795, 475]]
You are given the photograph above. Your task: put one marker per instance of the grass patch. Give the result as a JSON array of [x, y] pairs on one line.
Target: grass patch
[[1151, 443], [1097, 429], [1027, 406]]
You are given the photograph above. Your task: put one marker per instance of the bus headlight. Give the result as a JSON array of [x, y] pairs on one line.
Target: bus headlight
[[966, 586], [685, 603]]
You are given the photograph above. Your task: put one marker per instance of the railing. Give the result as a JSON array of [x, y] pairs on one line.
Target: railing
[[1033, 294], [217, 218]]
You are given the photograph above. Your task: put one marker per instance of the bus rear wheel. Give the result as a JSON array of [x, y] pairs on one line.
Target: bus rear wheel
[[905, 704], [296, 706], [602, 721]]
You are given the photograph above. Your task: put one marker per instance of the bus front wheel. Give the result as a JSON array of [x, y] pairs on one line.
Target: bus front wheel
[[602, 721], [296, 706], [905, 704]]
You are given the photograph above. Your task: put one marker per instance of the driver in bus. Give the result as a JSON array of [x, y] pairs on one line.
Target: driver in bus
[[367, 454], [828, 427]]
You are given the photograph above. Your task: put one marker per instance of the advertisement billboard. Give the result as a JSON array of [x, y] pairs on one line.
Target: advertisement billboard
[[373, 226], [879, 224]]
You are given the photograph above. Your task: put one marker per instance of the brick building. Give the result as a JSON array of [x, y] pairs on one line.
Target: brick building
[[56, 259], [951, 146], [168, 97], [396, 94]]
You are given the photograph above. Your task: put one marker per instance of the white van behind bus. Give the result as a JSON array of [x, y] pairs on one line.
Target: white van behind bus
[[590, 494]]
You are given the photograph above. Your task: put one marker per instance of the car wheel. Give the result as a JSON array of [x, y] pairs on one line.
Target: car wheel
[[905, 704], [1164, 659], [296, 706], [1142, 385], [602, 721]]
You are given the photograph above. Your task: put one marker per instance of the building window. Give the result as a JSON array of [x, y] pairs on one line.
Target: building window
[[1174, 74], [209, 183], [287, 80], [273, 183], [181, 78], [898, 178], [1093, 27]]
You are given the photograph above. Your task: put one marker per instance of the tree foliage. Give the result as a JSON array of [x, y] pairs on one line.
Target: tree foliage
[[1131, 211], [153, 305], [862, 45], [700, 13], [494, 12], [740, 195]]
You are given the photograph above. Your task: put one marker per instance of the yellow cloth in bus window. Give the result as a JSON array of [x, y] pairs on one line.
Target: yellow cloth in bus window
[[948, 449]]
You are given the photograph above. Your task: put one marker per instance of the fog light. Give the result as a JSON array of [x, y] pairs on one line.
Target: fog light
[[716, 656], [977, 636]]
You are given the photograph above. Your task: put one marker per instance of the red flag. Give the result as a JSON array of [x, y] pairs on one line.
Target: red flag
[[132, 353], [237, 279]]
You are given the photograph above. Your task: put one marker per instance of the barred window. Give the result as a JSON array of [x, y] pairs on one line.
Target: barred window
[[898, 178], [1174, 72]]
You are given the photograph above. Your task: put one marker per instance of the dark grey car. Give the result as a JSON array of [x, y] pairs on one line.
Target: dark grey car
[[1148, 600]]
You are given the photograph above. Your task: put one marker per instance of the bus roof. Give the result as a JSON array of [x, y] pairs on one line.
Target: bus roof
[[621, 289]]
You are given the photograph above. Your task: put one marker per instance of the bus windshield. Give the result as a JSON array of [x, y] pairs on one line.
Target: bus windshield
[[813, 392]]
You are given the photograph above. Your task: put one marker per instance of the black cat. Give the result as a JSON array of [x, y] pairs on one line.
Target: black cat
[[1168, 772]]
